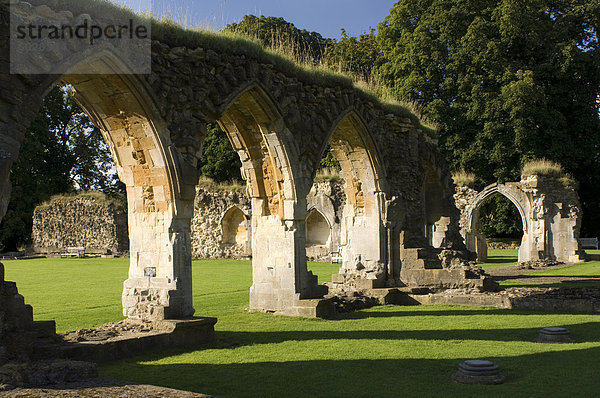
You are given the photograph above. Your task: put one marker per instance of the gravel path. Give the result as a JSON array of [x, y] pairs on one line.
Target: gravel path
[[101, 388]]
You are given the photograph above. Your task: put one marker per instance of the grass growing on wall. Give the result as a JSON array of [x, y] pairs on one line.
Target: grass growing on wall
[[386, 351], [462, 178], [283, 59]]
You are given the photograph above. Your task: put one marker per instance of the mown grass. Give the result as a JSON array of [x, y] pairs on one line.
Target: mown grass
[[500, 258], [507, 257], [85, 293], [385, 351], [590, 270]]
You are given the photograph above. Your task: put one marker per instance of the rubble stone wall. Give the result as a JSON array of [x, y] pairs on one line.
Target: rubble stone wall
[[550, 212], [212, 207], [80, 221]]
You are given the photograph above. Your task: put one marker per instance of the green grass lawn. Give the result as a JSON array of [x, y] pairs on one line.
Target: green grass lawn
[[385, 351], [500, 258], [590, 269]]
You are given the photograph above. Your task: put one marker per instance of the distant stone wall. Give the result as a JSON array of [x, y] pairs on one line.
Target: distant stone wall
[[328, 198], [550, 212], [210, 208], [86, 221], [222, 218]]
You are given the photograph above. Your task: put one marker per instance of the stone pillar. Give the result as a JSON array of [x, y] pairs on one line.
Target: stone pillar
[[279, 273], [160, 274], [363, 239], [481, 247]]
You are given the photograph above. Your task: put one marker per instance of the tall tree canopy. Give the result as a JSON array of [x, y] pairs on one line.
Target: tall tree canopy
[[219, 161], [278, 33], [508, 80], [356, 56], [62, 152]]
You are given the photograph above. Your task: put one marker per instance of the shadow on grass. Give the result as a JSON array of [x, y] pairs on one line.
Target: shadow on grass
[[563, 373], [501, 260], [581, 332], [536, 276]]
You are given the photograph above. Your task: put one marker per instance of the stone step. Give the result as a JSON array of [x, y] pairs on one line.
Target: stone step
[[421, 258], [397, 295], [364, 284], [46, 350], [314, 308], [44, 328]]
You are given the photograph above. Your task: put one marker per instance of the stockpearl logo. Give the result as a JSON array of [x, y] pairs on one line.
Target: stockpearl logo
[[55, 41]]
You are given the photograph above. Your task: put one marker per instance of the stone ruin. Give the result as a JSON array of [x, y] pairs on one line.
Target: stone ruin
[[550, 213], [221, 226], [399, 225], [91, 221], [19, 333], [22, 341]]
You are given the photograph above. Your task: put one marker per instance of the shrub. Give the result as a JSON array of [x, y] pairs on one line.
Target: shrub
[[463, 179]]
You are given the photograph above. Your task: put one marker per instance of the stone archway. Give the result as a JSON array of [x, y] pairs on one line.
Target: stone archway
[[160, 204], [477, 242], [258, 133], [362, 236], [278, 116], [549, 211], [318, 235], [234, 227]]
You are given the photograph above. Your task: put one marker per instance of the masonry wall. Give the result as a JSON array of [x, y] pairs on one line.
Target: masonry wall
[[211, 235], [210, 207], [80, 221]]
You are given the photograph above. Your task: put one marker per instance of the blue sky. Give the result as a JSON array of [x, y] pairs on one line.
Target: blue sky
[[324, 16]]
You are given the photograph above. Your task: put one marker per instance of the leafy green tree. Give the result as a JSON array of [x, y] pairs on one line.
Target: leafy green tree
[[62, 152], [278, 33], [356, 56], [219, 161], [500, 218], [508, 80]]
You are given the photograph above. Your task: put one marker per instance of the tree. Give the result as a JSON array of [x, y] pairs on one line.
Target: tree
[[355, 56], [62, 152], [508, 80], [219, 161], [278, 33], [500, 218]]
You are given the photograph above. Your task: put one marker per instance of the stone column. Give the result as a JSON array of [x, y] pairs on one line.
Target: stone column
[[363, 240], [160, 272], [279, 273]]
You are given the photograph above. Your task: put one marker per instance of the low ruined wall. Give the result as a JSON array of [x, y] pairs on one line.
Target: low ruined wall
[[212, 208], [86, 221], [566, 300], [207, 233]]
